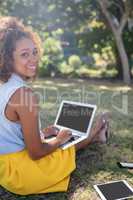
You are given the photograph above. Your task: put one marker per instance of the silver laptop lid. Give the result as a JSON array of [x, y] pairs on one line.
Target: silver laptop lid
[[75, 116]]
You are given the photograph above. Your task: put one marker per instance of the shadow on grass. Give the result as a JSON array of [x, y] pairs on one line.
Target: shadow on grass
[[98, 164]]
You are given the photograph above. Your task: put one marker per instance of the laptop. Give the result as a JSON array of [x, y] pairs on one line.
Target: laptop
[[78, 118]]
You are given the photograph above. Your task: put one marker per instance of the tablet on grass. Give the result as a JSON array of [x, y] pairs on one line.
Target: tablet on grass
[[116, 190]]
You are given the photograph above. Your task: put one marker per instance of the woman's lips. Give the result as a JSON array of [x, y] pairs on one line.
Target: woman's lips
[[32, 67]]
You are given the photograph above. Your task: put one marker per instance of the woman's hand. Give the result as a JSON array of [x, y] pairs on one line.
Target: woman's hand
[[63, 136], [50, 130]]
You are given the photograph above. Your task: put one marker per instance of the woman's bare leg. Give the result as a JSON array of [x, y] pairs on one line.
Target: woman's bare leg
[[84, 143], [94, 134]]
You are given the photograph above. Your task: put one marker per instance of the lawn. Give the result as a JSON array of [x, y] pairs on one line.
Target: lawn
[[97, 163]]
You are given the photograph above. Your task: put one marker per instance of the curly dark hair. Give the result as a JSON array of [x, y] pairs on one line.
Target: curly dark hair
[[12, 30]]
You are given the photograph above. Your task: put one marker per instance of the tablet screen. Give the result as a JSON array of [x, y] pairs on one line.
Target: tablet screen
[[114, 190]]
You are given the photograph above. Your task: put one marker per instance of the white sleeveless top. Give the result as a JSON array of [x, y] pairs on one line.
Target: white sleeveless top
[[11, 136]]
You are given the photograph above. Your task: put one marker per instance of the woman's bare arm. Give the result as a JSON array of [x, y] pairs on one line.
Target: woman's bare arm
[[26, 107], [27, 110]]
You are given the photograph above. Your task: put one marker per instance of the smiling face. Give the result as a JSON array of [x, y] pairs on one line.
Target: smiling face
[[25, 58]]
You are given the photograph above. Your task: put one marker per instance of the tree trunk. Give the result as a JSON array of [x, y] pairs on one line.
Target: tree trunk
[[118, 63], [119, 67], [124, 58], [117, 29]]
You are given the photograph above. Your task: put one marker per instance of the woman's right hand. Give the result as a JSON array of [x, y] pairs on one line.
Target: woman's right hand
[[64, 135]]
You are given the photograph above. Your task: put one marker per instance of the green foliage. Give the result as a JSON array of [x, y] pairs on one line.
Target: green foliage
[[52, 18], [69, 67], [128, 41], [65, 68], [52, 56], [96, 72], [74, 61]]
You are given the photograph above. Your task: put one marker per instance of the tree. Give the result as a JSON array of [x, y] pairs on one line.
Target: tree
[[117, 25], [76, 16]]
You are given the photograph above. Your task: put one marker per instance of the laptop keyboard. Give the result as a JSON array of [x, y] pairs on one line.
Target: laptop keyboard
[[73, 138]]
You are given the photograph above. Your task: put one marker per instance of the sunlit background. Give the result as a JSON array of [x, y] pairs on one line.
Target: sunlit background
[[77, 38]]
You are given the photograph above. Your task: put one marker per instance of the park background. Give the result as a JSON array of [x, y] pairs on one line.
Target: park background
[[87, 57]]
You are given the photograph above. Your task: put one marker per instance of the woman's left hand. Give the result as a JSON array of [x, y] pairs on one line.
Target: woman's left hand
[[50, 130]]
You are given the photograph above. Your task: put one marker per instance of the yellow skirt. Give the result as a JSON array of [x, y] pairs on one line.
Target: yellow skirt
[[20, 174]]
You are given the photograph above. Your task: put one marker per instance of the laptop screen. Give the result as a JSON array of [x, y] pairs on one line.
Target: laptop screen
[[75, 117]]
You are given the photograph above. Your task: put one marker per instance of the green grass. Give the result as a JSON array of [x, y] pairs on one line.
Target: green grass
[[97, 163]]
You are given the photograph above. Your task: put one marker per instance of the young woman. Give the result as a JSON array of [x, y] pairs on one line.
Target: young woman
[[28, 166]]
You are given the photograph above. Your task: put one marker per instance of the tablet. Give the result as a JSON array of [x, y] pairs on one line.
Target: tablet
[[125, 165], [116, 190]]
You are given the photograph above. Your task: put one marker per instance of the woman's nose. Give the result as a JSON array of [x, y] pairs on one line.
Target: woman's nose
[[33, 57]]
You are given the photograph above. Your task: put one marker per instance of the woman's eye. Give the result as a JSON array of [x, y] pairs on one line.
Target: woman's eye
[[25, 55]]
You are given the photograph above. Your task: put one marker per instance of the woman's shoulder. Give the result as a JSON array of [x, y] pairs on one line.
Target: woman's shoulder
[[24, 90], [23, 101], [24, 93]]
